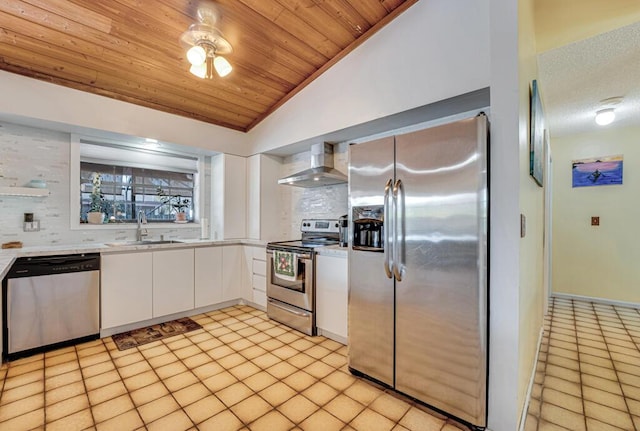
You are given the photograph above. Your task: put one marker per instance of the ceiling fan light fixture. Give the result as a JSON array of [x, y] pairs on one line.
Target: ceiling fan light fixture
[[222, 66], [196, 55], [605, 116], [205, 43], [199, 70]]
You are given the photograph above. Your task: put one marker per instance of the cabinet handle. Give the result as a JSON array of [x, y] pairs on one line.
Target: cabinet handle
[[287, 309]]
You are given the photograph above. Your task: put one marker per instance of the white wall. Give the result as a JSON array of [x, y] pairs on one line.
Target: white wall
[[531, 287], [597, 261], [504, 200], [516, 291], [56, 107], [433, 51], [27, 153]]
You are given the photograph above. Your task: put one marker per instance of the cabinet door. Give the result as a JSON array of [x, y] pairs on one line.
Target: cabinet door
[[126, 288], [331, 294], [208, 276], [232, 272], [172, 281]]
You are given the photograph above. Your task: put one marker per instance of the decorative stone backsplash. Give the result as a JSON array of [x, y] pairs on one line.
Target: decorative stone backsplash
[[316, 202], [28, 153]]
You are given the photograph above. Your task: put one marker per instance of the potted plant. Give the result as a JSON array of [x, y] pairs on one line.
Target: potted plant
[[96, 210], [178, 203]]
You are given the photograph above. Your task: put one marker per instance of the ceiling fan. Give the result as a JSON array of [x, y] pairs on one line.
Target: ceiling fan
[[206, 45]]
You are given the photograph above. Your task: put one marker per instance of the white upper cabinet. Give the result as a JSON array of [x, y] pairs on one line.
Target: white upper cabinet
[[228, 197], [264, 209]]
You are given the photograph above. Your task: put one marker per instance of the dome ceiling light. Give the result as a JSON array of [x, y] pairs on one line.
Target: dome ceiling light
[[206, 45], [606, 114]]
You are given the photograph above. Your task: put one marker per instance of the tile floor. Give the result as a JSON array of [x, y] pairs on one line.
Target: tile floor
[[242, 371], [588, 371]]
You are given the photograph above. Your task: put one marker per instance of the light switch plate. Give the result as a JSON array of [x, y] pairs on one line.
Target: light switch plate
[[523, 226]]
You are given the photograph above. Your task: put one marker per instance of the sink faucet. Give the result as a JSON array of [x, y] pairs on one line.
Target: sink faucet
[[141, 232]]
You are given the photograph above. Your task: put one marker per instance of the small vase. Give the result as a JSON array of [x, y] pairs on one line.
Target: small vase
[[181, 217], [95, 217]]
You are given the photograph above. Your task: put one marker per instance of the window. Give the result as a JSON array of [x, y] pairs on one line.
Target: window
[[124, 191], [119, 181]]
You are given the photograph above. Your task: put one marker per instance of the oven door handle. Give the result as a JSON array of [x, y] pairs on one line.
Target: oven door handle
[[287, 309], [301, 256]]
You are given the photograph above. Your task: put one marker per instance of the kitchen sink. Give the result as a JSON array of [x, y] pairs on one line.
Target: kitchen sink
[[150, 242]]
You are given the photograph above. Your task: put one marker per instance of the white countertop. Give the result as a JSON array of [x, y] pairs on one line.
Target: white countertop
[[8, 256], [333, 250]]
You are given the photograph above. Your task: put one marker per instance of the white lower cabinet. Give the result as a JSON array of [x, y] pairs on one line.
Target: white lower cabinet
[[332, 294], [126, 288], [140, 286], [173, 281], [232, 272], [208, 276], [254, 280]]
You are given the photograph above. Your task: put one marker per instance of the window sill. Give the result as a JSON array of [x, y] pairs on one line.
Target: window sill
[[133, 226]]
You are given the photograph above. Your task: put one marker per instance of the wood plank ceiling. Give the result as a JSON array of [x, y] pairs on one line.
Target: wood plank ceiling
[[129, 49]]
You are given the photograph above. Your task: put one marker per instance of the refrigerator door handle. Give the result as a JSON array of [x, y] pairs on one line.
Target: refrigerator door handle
[[387, 228], [398, 230]]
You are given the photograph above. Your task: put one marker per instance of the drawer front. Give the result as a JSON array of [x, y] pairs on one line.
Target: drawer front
[[259, 267], [260, 297], [259, 282]]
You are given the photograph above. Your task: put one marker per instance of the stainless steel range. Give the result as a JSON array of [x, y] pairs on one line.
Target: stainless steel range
[[291, 278]]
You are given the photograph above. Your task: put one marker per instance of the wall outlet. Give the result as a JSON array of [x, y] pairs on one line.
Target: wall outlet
[[595, 221], [31, 226]]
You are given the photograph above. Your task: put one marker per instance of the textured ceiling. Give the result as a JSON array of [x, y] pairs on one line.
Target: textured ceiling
[[576, 77], [560, 22]]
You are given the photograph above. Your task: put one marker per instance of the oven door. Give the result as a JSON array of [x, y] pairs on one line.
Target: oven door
[[299, 291]]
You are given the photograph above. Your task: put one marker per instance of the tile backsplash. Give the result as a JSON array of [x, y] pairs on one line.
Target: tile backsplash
[[316, 202], [28, 153]]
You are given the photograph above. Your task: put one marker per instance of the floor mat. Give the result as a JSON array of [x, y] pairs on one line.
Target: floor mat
[[138, 337]]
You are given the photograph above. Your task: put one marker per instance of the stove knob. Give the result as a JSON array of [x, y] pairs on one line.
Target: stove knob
[[336, 224]]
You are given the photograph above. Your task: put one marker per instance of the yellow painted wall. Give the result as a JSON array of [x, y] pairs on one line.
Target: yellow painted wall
[[531, 294], [561, 22], [603, 261]]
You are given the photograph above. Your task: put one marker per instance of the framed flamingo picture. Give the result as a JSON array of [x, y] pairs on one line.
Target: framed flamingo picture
[[597, 171]]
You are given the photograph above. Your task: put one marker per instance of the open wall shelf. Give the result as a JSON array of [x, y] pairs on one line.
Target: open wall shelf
[[24, 191]]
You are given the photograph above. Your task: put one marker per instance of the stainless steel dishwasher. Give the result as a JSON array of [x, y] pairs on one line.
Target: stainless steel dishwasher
[[49, 302]]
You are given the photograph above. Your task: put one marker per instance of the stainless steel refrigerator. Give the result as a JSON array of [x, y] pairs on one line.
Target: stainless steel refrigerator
[[418, 265]]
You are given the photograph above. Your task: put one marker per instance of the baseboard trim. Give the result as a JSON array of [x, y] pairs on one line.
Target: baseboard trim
[[107, 332], [527, 399], [335, 337], [596, 300]]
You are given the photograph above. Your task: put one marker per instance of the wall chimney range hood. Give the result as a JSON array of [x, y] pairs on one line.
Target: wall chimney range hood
[[321, 172]]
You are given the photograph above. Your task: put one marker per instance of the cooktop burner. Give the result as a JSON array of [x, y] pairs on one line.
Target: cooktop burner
[[315, 233]]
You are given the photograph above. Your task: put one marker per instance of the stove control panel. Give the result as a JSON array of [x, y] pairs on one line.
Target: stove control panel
[[320, 225]]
